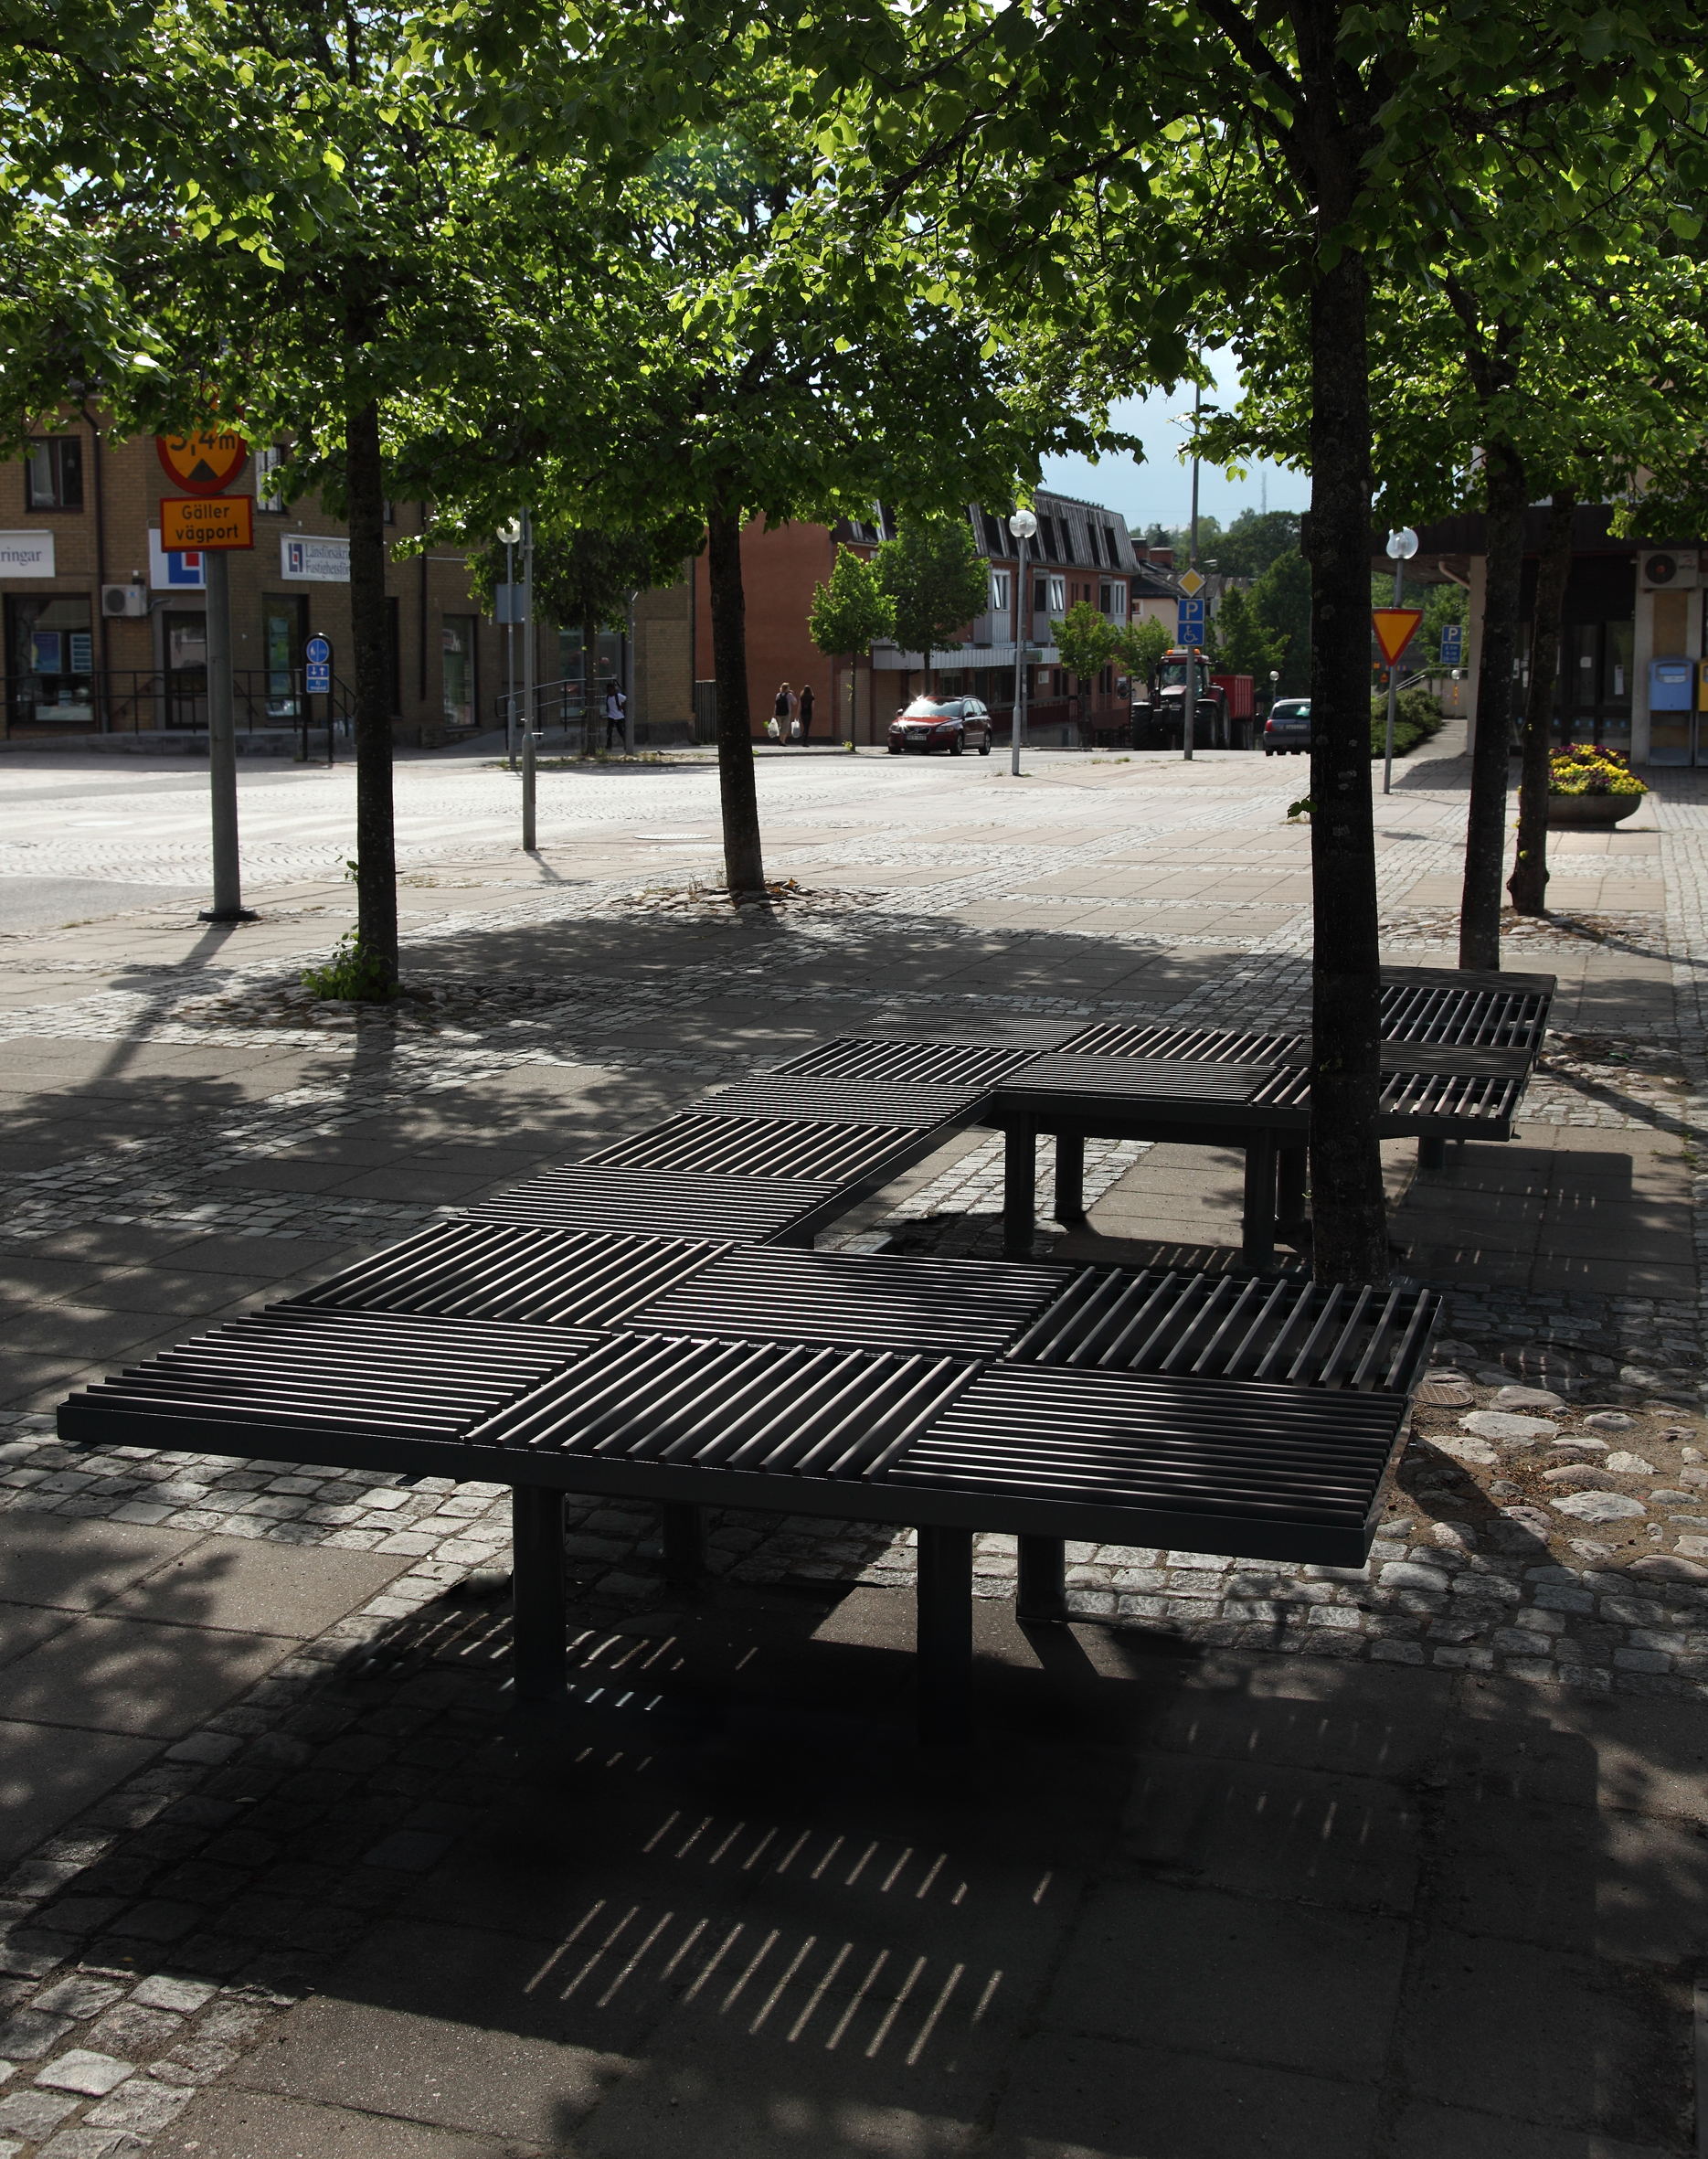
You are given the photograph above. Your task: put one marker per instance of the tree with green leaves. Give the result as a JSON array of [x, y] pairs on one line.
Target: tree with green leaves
[[1253, 540], [1086, 640], [936, 581], [848, 615], [586, 579], [318, 246], [1241, 643], [737, 360], [1137, 179], [1143, 642]]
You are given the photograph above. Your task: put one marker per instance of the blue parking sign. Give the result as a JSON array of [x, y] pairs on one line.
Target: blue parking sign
[[1452, 644], [1189, 629]]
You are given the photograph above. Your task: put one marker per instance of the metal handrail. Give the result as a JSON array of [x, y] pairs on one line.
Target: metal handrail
[[134, 700]]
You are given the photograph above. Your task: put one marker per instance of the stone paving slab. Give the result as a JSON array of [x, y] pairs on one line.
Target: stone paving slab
[[1357, 1788]]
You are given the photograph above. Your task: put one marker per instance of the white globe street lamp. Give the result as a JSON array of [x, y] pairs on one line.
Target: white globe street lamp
[[1023, 525], [1401, 547]]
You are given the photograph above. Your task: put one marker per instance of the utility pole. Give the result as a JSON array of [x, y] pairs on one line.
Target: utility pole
[[527, 684], [1189, 702]]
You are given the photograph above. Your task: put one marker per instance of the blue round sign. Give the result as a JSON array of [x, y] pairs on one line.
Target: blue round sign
[[318, 651]]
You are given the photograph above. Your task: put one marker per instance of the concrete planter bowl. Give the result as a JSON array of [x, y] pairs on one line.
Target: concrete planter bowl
[[1591, 809]]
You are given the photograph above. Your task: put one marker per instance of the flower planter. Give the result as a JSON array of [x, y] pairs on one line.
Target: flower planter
[[1591, 809]]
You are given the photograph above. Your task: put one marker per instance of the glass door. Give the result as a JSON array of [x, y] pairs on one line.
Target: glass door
[[282, 653]]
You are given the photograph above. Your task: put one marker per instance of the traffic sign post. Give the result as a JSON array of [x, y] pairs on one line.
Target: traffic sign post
[[206, 519], [203, 465], [1394, 627], [317, 683]]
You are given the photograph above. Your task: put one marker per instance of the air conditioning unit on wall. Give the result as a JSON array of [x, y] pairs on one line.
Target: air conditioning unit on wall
[[1669, 569], [124, 600]]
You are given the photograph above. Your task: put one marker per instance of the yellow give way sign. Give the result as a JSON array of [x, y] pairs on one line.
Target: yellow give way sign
[[1393, 627], [203, 465], [199, 522]]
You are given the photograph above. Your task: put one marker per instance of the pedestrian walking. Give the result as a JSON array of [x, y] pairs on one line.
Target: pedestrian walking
[[782, 712], [806, 711], [616, 713]]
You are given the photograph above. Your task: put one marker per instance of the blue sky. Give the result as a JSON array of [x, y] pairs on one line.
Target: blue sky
[[1159, 490]]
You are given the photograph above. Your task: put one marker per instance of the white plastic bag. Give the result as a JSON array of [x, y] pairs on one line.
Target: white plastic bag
[[772, 730], [794, 730]]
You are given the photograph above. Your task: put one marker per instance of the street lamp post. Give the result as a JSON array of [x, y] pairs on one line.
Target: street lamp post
[[1401, 547], [511, 533], [527, 684], [1023, 525]]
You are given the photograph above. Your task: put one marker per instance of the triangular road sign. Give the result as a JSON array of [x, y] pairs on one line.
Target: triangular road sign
[[1394, 627]]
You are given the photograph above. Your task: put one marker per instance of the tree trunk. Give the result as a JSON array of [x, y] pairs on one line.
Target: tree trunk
[[744, 867], [1529, 881], [1349, 1208], [1485, 833], [376, 864]]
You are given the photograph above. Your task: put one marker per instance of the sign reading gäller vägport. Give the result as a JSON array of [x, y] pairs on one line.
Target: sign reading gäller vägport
[[207, 521]]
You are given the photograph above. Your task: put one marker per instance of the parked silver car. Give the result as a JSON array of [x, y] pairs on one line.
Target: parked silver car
[[1288, 728]]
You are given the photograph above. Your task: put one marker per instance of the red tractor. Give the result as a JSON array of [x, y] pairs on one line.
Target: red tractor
[[1224, 706]]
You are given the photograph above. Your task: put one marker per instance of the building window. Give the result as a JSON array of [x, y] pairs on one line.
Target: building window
[[1112, 599], [458, 640], [53, 474], [269, 487], [1113, 556], [999, 592], [1058, 596], [49, 661]]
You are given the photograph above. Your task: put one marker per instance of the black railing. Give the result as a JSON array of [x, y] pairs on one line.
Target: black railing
[[559, 708], [170, 701]]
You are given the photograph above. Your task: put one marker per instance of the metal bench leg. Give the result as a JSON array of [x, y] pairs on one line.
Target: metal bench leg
[[683, 1529], [1070, 1177], [943, 1653], [1020, 1190], [1043, 1596], [537, 1539], [1258, 1244], [1432, 1154], [1290, 1185]]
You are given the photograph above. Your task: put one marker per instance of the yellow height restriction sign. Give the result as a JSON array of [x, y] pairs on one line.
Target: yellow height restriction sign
[[203, 465], [207, 521]]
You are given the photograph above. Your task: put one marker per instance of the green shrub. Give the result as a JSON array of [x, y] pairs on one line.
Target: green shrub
[[353, 974], [1417, 718]]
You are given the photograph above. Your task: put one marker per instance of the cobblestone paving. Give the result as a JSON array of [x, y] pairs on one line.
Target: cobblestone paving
[[148, 1945]]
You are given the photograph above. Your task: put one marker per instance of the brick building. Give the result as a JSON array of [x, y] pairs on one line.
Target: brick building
[[105, 631], [1081, 551]]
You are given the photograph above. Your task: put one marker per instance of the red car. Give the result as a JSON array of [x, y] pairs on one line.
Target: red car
[[941, 723]]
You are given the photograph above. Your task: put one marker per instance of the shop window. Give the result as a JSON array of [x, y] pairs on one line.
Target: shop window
[[282, 652], [50, 660], [268, 485], [458, 639], [53, 474]]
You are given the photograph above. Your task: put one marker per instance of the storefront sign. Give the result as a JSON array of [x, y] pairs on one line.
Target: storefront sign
[[25, 555], [310, 559], [207, 522], [179, 570]]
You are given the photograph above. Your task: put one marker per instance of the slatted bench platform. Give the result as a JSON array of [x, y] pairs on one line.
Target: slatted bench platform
[[1262, 1421]]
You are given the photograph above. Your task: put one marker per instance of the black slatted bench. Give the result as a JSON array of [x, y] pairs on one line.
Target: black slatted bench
[[1263, 1420]]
